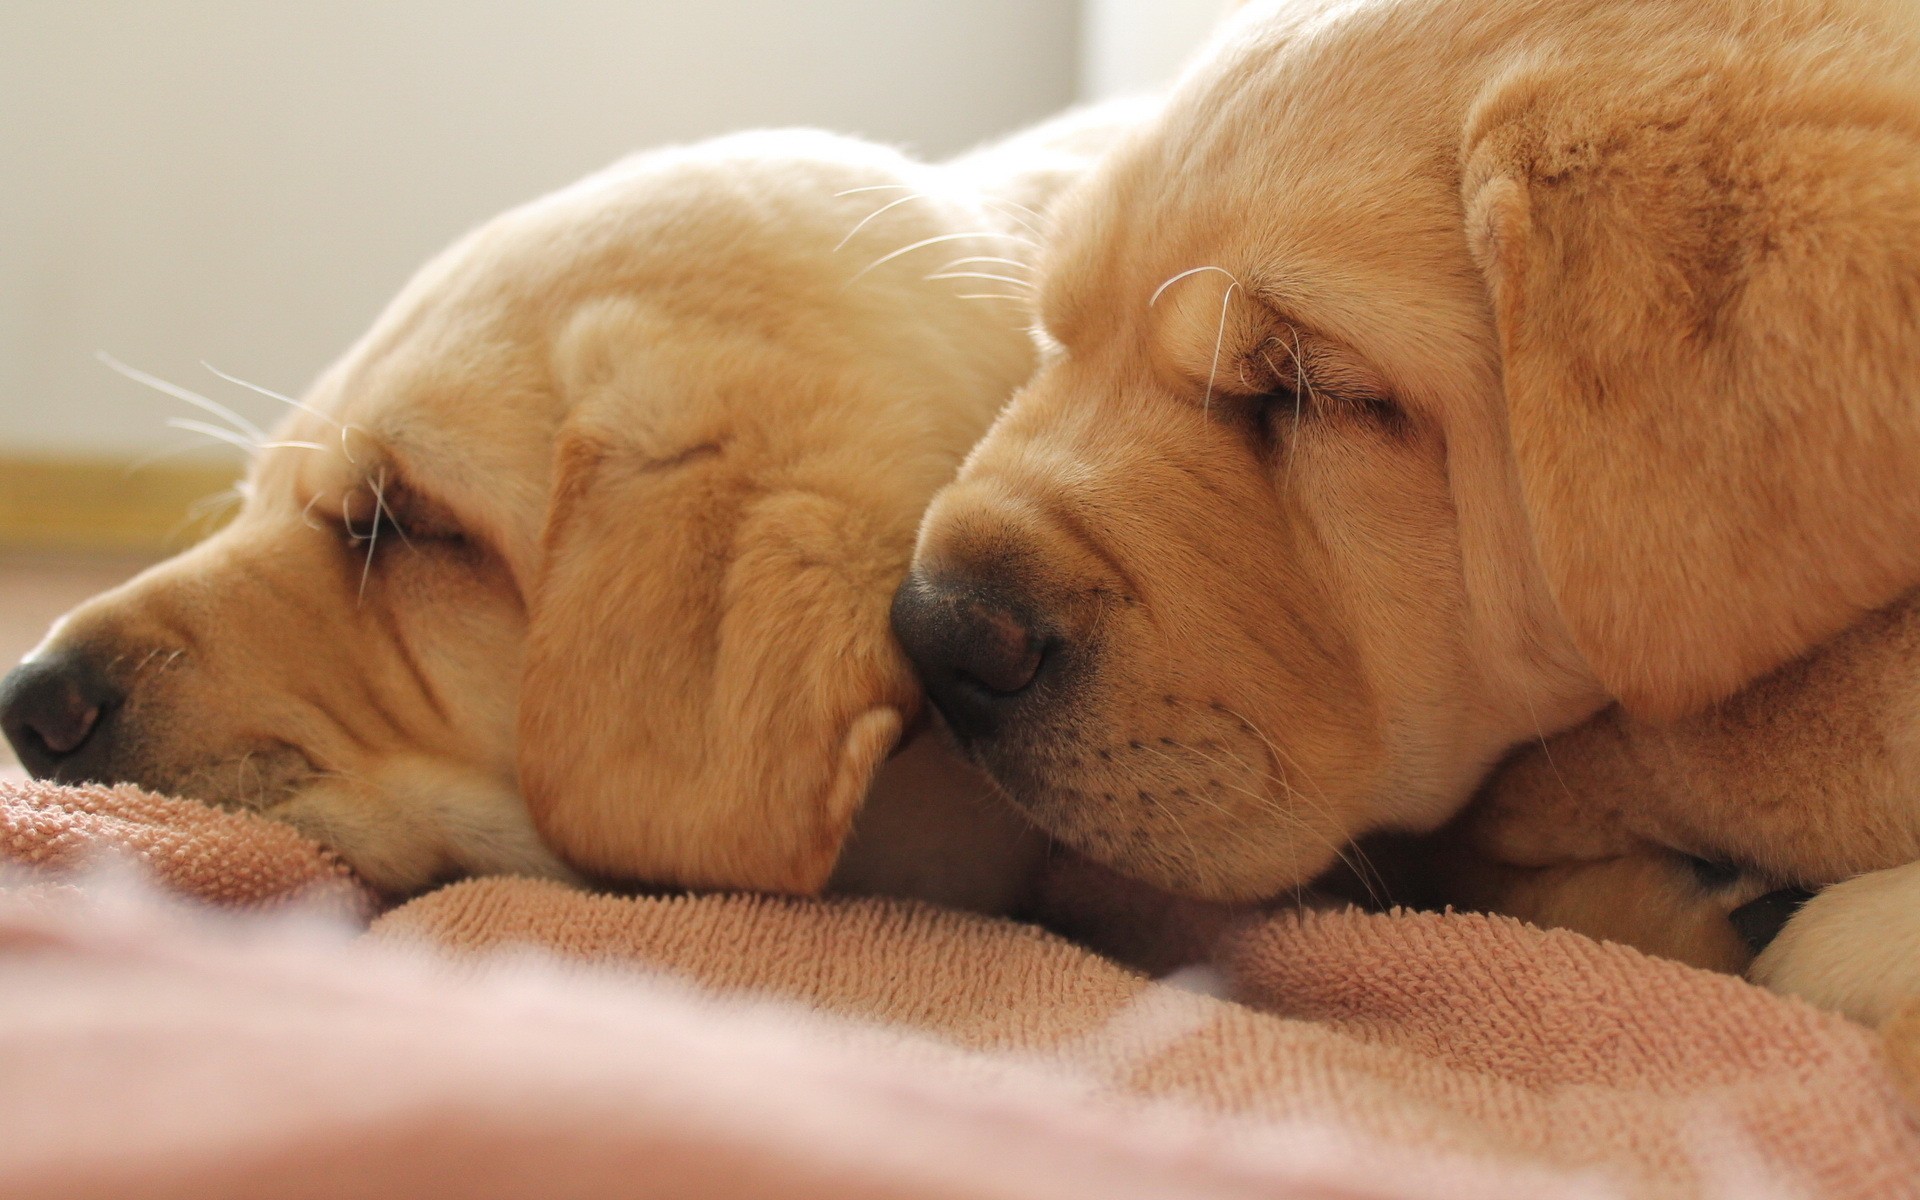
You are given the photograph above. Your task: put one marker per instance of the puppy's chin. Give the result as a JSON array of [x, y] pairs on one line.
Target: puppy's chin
[[1187, 799], [414, 822], [258, 777], [403, 825]]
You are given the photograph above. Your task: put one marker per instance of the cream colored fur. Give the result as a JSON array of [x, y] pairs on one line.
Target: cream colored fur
[[1432, 376], [1854, 948], [579, 559]]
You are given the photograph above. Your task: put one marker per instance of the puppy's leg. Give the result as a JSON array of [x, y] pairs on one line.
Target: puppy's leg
[[1854, 948], [1808, 775], [1654, 900]]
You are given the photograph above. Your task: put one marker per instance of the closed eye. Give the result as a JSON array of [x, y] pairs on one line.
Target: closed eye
[[385, 512], [368, 517], [1306, 380], [387, 503], [383, 529]]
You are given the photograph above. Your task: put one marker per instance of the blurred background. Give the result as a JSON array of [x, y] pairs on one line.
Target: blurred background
[[244, 184]]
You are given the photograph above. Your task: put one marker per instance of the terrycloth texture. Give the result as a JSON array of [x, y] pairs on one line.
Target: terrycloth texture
[[1410, 1055], [1477, 1036], [228, 858], [146, 1060]]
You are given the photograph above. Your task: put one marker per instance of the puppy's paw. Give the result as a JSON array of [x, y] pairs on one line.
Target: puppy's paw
[[1528, 816], [1854, 948]]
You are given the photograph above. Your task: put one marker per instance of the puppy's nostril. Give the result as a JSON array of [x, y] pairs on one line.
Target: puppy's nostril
[[66, 723], [975, 651], [1003, 657], [50, 709]]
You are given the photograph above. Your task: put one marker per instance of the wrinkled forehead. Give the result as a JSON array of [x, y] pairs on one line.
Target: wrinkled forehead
[[452, 380], [457, 408], [463, 382], [453, 388], [481, 408], [1311, 169], [714, 229]]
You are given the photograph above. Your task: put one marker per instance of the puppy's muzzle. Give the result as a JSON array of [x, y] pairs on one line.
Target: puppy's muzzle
[[59, 713], [979, 655]]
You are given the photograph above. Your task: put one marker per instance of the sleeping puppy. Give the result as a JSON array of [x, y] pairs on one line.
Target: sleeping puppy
[[580, 559], [1809, 779], [1428, 377]]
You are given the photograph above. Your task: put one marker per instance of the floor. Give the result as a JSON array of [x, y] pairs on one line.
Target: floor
[[36, 587]]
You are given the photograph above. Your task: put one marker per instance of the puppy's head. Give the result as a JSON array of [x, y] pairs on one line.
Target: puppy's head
[[603, 513], [1413, 389]]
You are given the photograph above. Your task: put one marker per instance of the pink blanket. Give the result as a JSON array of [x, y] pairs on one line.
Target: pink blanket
[[513, 1038]]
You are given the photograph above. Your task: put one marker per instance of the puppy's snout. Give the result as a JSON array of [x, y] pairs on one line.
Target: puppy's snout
[[976, 653], [56, 712]]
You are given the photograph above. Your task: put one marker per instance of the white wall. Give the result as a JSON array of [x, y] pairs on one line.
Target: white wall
[[1133, 46], [246, 182]]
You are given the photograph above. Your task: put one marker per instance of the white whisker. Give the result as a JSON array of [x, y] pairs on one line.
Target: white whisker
[[875, 187], [876, 214], [373, 544], [986, 258], [223, 498], [306, 516], [1036, 214], [1187, 274], [1166, 810], [934, 241], [1008, 279], [1363, 869], [1302, 392], [1540, 735], [379, 487], [270, 394], [240, 424], [218, 433], [206, 509], [1009, 209], [991, 296], [1219, 338]]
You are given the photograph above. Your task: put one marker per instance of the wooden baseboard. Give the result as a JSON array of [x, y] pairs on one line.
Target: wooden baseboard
[[55, 504]]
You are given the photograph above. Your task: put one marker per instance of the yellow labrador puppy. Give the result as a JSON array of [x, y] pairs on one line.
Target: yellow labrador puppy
[[1428, 377], [581, 557]]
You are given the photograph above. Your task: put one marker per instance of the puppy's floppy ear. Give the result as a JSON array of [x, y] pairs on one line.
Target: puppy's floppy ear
[[710, 683], [1707, 295]]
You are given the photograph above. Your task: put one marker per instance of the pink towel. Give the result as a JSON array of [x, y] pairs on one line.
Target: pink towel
[[868, 1048], [229, 858]]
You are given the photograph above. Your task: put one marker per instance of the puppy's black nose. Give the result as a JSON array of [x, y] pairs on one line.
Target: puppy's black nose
[[975, 652], [53, 711]]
